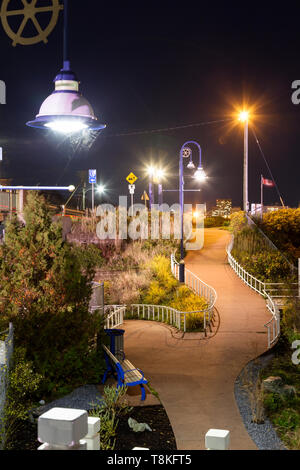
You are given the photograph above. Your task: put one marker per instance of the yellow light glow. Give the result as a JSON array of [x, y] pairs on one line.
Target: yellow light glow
[[151, 170], [244, 116]]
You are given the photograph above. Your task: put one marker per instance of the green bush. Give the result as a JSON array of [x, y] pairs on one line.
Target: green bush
[[237, 221], [89, 255], [288, 420], [283, 228], [109, 408], [273, 402], [216, 221], [45, 291]]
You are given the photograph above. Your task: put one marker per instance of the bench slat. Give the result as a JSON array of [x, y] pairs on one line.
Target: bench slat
[[129, 377]]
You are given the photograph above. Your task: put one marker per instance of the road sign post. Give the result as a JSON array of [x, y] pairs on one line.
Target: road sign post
[[92, 181], [131, 188], [131, 178]]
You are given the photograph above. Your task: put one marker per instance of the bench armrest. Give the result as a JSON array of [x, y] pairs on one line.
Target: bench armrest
[[130, 370]]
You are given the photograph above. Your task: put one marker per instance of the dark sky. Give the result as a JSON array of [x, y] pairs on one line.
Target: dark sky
[[153, 65]]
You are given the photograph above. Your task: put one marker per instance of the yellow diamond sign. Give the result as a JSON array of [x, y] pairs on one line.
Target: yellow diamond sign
[[131, 178]]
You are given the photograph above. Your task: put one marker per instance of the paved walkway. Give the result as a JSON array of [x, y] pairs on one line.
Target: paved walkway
[[195, 378]]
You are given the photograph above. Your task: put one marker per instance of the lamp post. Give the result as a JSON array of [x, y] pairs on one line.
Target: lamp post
[[244, 118], [185, 152], [100, 189]]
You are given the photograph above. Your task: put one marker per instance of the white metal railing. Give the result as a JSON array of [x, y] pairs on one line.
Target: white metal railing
[[114, 315], [198, 287], [273, 326], [166, 314]]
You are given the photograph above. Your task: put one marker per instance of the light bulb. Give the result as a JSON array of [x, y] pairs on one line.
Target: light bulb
[[67, 126]]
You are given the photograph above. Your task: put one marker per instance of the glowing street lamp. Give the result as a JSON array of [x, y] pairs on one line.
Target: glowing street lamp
[[100, 189], [244, 118], [66, 111]]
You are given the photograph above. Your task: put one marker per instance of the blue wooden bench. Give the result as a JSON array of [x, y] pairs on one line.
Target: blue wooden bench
[[127, 374]]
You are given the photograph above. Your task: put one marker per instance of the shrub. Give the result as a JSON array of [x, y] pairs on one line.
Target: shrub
[[89, 255], [45, 293], [237, 221], [283, 228], [287, 419], [273, 402], [215, 221], [185, 300], [111, 406]]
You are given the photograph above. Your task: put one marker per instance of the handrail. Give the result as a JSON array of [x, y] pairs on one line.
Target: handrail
[[177, 318], [115, 315], [195, 283], [273, 325]]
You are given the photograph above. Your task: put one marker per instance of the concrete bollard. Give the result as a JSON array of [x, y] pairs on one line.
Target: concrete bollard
[[217, 439], [93, 437], [63, 429]]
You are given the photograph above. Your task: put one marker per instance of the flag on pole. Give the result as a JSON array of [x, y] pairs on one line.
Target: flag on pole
[[267, 182]]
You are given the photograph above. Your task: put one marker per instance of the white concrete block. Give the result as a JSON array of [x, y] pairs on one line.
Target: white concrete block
[[93, 426], [81, 446], [62, 426], [217, 439], [93, 443]]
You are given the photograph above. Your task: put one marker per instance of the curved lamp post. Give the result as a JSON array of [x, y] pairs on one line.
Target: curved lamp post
[[66, 110], [186, 152]]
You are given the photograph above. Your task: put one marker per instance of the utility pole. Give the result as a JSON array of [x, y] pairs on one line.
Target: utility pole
[[245, 188]]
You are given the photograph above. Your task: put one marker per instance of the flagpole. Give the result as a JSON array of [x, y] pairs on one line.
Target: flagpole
[[261, 195]]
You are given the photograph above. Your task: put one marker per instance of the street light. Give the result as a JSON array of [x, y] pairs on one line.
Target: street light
[[244, 118], [199, 175], [66, 111]]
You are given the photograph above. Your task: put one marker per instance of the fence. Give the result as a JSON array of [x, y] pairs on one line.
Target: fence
[[273, 326], [114, 315], [6, 350]]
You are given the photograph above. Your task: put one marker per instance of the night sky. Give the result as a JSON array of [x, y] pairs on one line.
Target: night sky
[[153, 65]]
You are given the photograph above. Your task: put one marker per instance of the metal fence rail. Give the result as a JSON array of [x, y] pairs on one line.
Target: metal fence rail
[[273, 326], [199, 288], [114, 315]]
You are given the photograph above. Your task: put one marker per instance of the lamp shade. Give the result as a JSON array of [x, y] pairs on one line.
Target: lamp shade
[[66, 110]]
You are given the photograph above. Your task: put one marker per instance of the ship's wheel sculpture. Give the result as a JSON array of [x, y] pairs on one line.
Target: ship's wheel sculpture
[[28, 13]]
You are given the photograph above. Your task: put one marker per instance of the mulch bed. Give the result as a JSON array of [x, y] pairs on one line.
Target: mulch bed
[[161, 437]]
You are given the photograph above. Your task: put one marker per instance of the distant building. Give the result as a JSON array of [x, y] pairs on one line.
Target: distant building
[[223, 208]]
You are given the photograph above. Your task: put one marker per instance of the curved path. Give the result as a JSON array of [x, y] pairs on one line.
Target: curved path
[[195, 377]]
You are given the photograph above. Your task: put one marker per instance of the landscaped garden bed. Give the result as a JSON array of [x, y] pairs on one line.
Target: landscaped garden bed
[[161, 436]]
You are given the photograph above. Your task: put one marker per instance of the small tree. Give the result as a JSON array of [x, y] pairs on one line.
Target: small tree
[[45, 292]]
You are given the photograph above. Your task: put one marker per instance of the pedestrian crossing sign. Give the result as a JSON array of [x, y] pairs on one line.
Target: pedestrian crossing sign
[[131, 178]]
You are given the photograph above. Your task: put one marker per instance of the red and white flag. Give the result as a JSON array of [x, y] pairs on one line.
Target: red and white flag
[[267, 182]]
